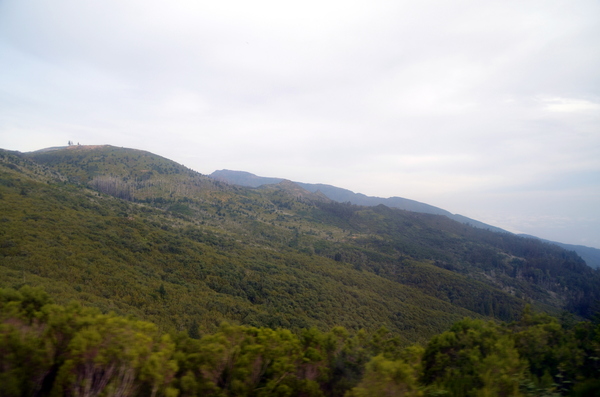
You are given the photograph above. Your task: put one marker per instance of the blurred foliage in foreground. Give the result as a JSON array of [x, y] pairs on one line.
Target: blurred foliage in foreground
[[53, 350]]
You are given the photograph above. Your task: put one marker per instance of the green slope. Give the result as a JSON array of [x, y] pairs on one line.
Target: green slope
[[135, 259], [184, 250]]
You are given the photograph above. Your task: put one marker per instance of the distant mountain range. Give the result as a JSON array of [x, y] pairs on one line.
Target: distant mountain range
[[243, 178], [589, 254]]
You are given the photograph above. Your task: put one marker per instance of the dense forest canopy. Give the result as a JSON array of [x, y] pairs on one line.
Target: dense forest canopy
[[48, 350], [135, 239]]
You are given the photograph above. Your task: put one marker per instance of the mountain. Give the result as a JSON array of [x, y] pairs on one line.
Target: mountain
[[128, 231], [242, 178], [341, 195], [590, 255], [334, 193], [248, 287]]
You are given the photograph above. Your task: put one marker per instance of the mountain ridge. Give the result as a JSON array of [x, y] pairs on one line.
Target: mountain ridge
[[338, 194], [591, 255], [129, 231]]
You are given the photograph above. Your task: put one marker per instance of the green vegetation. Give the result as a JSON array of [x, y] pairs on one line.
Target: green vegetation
[[53, 350], [182, 249], [135, 238], [140, 260]]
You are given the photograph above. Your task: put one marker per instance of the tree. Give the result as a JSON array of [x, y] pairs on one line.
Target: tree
[[473, 357], [390, 378]]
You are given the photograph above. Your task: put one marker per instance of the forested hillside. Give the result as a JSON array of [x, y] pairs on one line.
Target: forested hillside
[[342, 195], [135, 233], [53, 350], [269, 291]]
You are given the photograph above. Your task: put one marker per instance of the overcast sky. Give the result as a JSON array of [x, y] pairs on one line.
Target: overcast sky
[[489, 109]]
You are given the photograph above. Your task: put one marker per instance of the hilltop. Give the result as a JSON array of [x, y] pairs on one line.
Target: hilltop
[[132, 232]]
